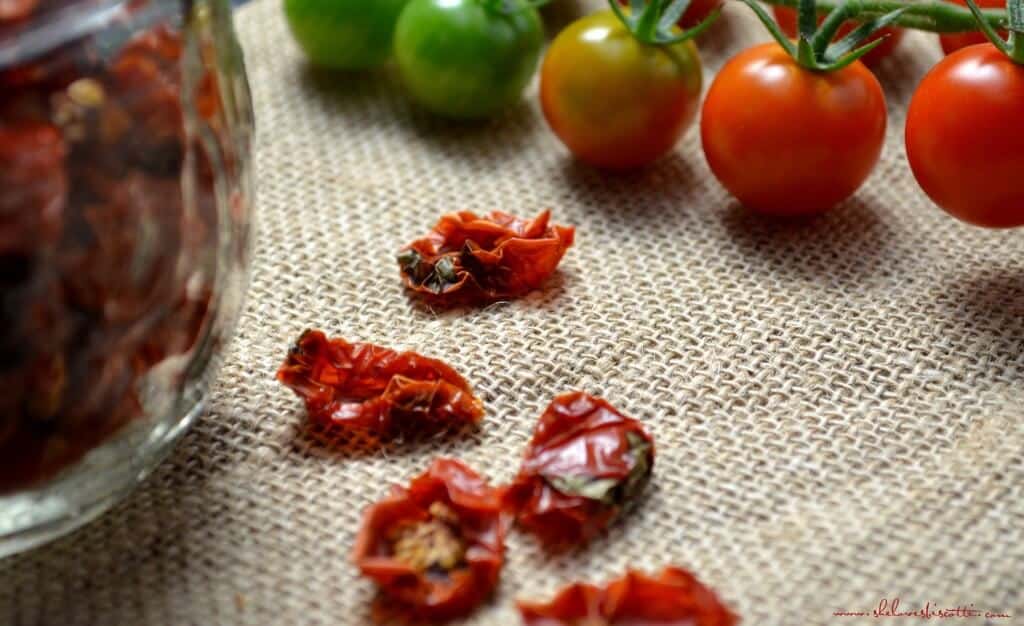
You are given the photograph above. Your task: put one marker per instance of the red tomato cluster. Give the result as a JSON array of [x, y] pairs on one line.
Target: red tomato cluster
[[620, 102]]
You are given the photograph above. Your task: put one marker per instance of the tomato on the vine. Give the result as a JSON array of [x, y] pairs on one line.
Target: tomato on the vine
[[787, 19], [951, 42], [615, 102], [468, 58], [786, 140], [344, 34], [965, 136]]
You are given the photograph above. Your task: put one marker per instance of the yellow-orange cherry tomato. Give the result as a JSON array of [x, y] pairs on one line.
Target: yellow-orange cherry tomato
[[615, 102], [788, 141]]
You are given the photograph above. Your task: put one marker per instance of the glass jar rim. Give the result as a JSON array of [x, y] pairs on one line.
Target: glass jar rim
[[27, 39]]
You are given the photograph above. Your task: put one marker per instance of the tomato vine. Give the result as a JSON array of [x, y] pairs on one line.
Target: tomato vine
[[935, 16]]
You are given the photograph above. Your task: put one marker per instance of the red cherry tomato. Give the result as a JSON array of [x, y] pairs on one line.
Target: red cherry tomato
[[965, 136], [695, 13], [615, 102], [951, 42], [788, 141], [786, 17]]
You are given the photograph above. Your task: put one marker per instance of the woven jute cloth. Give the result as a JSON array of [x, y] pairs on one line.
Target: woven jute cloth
[[836, 403]]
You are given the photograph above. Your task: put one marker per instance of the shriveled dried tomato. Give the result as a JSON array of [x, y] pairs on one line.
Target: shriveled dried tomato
[[363, 386], [472, 259], [674, 598], [438, 545], [586, 461]]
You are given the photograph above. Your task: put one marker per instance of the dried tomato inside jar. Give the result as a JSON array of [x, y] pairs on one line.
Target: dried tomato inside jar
[[472, 259], [585, 463], [106, 267], [673, 598], [363, 386], [436, 546]]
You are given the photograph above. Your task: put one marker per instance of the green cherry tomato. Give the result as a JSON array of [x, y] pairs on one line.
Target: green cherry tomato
[[467, 58], [344, 34], [617, 103]]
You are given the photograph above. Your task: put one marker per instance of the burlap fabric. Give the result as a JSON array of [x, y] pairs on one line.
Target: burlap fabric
[[836, 403]]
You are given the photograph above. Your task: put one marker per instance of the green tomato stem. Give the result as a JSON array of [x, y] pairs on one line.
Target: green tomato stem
[[1017, 47], [647, 24], [930, 15]]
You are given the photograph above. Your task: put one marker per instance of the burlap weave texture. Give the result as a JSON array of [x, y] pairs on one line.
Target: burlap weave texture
[[836, 403]]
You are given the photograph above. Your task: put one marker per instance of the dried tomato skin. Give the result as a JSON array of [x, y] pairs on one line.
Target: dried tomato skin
[[585, 463], [471, 259], [481, 525], [367, 387], [673, 598]]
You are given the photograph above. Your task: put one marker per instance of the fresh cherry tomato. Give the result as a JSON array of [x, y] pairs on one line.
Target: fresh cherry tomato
[[951, 42], [788, 141], [965, 136], [467, 58], [695, 13], [615, 102], [787, 19], [344, 34]]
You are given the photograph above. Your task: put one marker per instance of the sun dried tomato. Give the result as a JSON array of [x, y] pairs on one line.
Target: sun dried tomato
[[360, 385], [438, 545], [33, 186], [674, 598], [104, 263], [586, 461], [473, 259]]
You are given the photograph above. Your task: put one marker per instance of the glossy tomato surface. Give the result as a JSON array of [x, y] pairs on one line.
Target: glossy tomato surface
[[344, 34], [615, 102], [965, 136], [951, 42], [467, 58], [788, 141], [787, 19]]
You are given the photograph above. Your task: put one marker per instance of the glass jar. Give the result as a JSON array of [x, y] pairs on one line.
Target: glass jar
[[125, 201]]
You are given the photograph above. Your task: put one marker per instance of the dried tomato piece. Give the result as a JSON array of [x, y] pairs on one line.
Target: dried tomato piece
[[468, 258], [674, 598], [34, 186], [586, 461], [438, 545], [360, 385]]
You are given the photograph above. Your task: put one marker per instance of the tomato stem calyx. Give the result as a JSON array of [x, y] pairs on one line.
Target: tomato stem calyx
[[652, 22], [814, 48], [1013, 45]]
